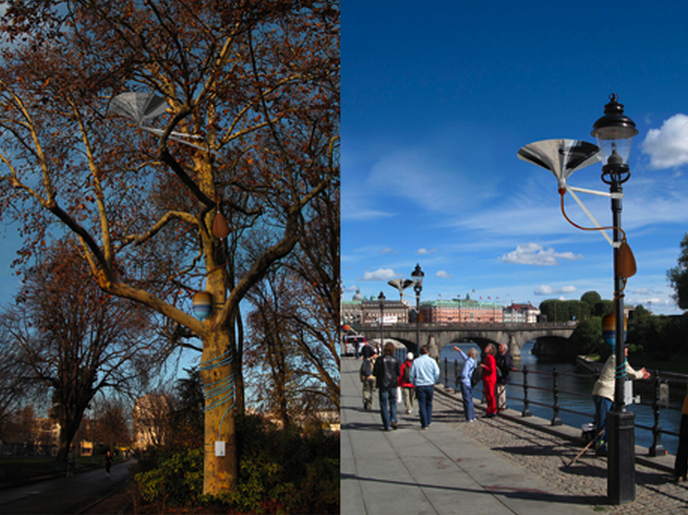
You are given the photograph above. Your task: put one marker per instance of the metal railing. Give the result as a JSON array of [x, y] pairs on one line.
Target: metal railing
[[657, 404]]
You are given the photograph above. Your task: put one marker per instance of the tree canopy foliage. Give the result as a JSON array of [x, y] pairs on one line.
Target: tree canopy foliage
[[72, 340], [678, 276], [250, 132]]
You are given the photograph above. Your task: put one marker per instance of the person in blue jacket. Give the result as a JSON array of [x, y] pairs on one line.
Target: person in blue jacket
[[470, 363]]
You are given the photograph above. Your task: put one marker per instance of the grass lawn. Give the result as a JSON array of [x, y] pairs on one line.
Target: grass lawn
[[19, 470]]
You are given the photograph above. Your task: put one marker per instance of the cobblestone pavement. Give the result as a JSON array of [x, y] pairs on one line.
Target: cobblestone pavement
[[548, 457]]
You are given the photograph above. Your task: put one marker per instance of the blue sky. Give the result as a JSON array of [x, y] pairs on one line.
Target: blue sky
[[437, 99]]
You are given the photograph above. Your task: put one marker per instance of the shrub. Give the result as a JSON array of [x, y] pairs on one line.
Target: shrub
[[177, 478], [280, 471]]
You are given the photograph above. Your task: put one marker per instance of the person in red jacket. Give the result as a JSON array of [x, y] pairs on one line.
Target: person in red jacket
[[408, 392], [489, 367]]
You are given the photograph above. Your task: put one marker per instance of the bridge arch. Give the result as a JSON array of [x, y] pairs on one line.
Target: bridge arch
[[513, 334]]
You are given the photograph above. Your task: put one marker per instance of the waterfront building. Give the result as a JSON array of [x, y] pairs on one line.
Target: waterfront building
[[367, 311], [460, 311], [521, 313]]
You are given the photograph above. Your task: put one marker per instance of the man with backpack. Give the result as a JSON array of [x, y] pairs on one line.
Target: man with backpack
[[386, 372], [407, 389], [368, 380]]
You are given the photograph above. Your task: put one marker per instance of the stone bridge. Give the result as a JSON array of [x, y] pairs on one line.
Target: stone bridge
[[551, 337]]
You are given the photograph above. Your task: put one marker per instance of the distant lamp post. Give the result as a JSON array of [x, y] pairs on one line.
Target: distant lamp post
[[614, 133], [417, 277], [381, 298]]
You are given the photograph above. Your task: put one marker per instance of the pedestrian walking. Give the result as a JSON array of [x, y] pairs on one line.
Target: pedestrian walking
[[603, 395], [71, 462], [368, 381], [424, 374], [505, 365], [681, 463], [470, 359], [489, 367], [407, 389], [108, 463], [368, 350], [386, 372]]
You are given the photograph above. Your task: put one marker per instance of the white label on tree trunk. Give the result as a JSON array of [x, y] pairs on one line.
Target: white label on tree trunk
[[220, 449]]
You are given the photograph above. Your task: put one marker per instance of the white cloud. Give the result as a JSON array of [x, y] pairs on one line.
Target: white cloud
[[535, 254], [443, 274], [421, 177], [668, 145], [425, 251], [382, 274], [356, 208], [549, 290]]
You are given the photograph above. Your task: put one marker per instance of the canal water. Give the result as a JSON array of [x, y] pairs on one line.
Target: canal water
[[575, 393]]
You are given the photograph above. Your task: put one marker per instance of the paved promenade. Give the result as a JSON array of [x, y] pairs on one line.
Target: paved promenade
[[491, 466]]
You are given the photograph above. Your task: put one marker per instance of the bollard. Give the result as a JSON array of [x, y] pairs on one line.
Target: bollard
[[526, 409], [556, 421], [657, 449]]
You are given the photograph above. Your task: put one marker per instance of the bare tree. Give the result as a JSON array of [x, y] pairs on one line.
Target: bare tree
[[74, 340], [251, 93]]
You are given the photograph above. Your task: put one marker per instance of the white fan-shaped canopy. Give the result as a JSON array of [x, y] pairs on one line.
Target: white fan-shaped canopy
[[138, 106], [562, 157]]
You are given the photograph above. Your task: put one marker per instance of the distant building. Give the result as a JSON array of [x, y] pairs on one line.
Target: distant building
[[350, 312], [521, 313], [367, 311], [460, 311], [362, 311], [151, 420], [393, 312]]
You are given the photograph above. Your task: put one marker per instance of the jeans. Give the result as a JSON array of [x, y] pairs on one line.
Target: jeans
[[424, 396], [467, 400], [388, 406], [602, 407]]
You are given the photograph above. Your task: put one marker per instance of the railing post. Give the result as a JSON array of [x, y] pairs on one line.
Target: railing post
[[657, 449], [456, 375], [446, 376], [556, 421], [526, 409]]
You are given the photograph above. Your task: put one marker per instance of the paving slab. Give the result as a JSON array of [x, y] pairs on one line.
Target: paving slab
[[435, 471]]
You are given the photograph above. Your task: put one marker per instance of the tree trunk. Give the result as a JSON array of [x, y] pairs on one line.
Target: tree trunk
[[69, 425], [220, 473]]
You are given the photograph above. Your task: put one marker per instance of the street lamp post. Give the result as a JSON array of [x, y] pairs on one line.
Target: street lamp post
[[417, 278], [614, 133], [381, 298]]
